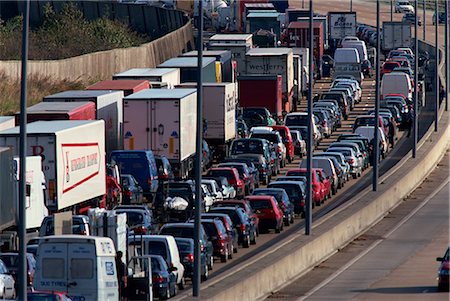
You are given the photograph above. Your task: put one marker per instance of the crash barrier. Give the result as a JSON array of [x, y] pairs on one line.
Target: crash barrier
[[298, 254], [101, 65]]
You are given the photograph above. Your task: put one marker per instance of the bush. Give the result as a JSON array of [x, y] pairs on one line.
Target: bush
[[66, 34]]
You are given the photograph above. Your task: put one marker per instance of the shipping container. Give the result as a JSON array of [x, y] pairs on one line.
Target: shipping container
[[171, 76], [240, 12], [255, 6], [223, 57], [108, 106], [73, 159], [298, 36], [274, 61], [163, 121], [292, 14], [188, 68], [261, 91], [238, 52], [241, 39], [128, 87], [266, 20], [7, 204], [83, 110], [6, 122]]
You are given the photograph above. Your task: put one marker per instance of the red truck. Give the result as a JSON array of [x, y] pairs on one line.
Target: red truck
[[128, 86], [298, 33], [261, 91], [83, 110]]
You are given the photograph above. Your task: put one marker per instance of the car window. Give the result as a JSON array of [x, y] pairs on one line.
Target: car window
[[3, 269], [53, 268], [157, 248], [81, 268], [210, 229], [261, 204], [11, 261], [155, 263], [187, 232]]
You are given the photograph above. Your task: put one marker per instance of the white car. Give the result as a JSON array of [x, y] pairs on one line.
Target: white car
[[207, 197], [214, 189], [7, 290], [273, 136], [403, 7]]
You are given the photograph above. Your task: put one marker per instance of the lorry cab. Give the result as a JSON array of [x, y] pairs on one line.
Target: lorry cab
[[83, 267]]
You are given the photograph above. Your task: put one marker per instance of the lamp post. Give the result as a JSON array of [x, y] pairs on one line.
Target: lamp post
[[416, 78], [376, 134], [436, 66]]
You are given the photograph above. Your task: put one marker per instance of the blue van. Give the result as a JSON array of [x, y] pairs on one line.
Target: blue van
[[141, 164]]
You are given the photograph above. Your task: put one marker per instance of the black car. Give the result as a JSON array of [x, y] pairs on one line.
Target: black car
[[132, 193], [327, 65], [283, 201], [186, 250], [366, 68], [164, 281], [242, 223], [264, 168]]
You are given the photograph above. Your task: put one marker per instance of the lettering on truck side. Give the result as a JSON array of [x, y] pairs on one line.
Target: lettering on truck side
[[266, 67]]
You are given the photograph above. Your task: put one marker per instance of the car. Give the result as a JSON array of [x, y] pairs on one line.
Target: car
[[244, 175], [367, 120], [47, 295], [388, 66], [80, 225], [296, 192], [186, 230], [327, 65], [269, 213], [264, 167], [165, 172], [164, 280], [324, 122], [327, 165], [443, 274], [283, 201], [11, 261], [251, 165], [441, 18], [257, 116], [366, 68], [410, 18], [254, 146], [242, 223], [228, 191], [299, 143], [214, 188], [226, 220], [287, 140], [232, 176], [274, 137], [351, 158], [132, 193], [186, 250], [207, 197], [403, 6], [356, 148], [7, 283], [340, 158], [138, 221], [242, 129]]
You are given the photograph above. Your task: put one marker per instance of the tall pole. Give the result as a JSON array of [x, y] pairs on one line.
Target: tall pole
[[308, 207], [392, 17], [446, 47], [376, 155], [416, 78], [22, 277], [351, 5], [424, 19], [198, 157], [436, 66]]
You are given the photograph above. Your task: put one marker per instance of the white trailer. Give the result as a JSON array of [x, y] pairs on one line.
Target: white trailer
[[171, 76], [303, 54], [395, 35], [108, 107], [342, 24], [7, 208], [7, 122], [35, 209], [73, 159], [163, 121]]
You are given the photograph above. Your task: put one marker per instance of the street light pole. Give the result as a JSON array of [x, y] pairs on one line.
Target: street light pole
[[416, 78], [376, 155], [436, 66], [351, 5], [446, 47], [391, 10], [424, 19]]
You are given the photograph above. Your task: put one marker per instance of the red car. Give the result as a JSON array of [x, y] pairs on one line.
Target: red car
[[388, 66], [443, 275], [287, 140], [47, 295], [232, 176], [318, 188], [269, 213]]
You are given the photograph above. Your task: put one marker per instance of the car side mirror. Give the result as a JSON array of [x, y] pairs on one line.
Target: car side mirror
[[173, 269], [439, 259]]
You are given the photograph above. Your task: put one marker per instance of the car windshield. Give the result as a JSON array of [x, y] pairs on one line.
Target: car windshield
[[133, 218], [293, 191], [157, 248], [298, 120], [249, 146], [210, 229], [231, 213], [184, 246], [187, 232], [222, 173], [269, 137], [260, 204], [11, 261], [277, 195]]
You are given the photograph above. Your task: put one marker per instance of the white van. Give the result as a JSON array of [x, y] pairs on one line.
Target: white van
[[368, 132], [163, 245], [82, 266], [396, 83], [346, 55], [360, 47]]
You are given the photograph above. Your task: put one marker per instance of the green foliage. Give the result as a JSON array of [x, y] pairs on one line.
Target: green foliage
[[66, 34]]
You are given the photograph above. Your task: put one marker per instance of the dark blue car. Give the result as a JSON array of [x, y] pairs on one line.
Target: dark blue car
[[186, 250], [163, 279]]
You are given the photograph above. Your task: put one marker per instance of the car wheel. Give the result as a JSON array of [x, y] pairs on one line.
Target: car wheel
[[287, 222], [354, 176], [174, 291], [211, 263], [223, 258], [182, 284], [253, 241], [166, 295], [230, 253], [318, 203], [292, 219], [246, 242], [278, 229], [205, 275], [235, 249]]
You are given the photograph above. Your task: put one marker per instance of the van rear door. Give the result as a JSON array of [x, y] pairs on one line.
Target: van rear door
[[52, 261], [82, 271]]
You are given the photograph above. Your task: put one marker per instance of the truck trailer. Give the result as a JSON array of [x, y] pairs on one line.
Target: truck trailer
[[171, 76]]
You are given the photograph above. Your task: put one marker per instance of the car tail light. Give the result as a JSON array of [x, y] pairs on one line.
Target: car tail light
[[232, 182], [351, 161], [163, 176], [189, 258], [158, 279], [149, 181], [302, 202], [242, 228], [127, 193], [140, 230], [221, 241]]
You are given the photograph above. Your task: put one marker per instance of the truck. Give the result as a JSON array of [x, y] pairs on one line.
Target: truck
[[128, 86], [163, 121], [108, 107], [219, 112], [73, 160], [83, 110], [298, 32], [303, 54], [188, 68], [7, 207], [274, 61], [394, 35], [35, 200], [267, 20], [325, 31], [259, 90], [238, 44], [223, 57], [6, 122], [342, 24], [171, 76]]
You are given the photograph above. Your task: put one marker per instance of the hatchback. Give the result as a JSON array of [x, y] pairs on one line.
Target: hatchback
[[232, 176], [186, 250], [252, 166], [228, 224], [282, 199], [244, 175], [269, 213], [274, 137], [287, 140], [131, 191], [299, 143], [296, 192], [164, 280]]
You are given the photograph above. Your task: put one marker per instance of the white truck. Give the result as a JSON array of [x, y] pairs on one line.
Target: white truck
[[7, 208], [274, 61], [171, 76], [219, 112], [303, 54], [163, 121], [238, 44], [35, 199], [342, 24], [396, 34], [73, 159], [108, 106]]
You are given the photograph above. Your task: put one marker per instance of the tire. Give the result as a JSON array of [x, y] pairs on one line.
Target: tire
[[211, 263], [235, 249], [287, 222], [318, 203], [230, 253], [277, 229], [224, 258], [205, 276], [166, 295], [182, 284], [246, 242], [175, 291], [354, 176], [292, 220], [253, 241]]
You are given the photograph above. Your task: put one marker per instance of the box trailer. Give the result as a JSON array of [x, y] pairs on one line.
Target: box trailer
[[325, 32], [6, 122], [303, 54], [219, 112], [35, 201], [255, 6], [46, 111], [274, 61], [7, 207], [238, 52], [342, 24], [73, 159], [171, 76], [223, 57], [188, 68], [163, 121], [395, 35], [108, 106], [259, 90], [128, 86], [298, 33], [266, 20]]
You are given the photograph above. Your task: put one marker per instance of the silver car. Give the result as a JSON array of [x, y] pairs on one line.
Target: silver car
[[351, 158]]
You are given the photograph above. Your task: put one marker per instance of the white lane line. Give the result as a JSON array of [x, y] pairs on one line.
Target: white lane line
[[374, 245]]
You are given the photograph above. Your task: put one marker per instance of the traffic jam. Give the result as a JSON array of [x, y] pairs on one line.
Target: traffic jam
[[110, 169]]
